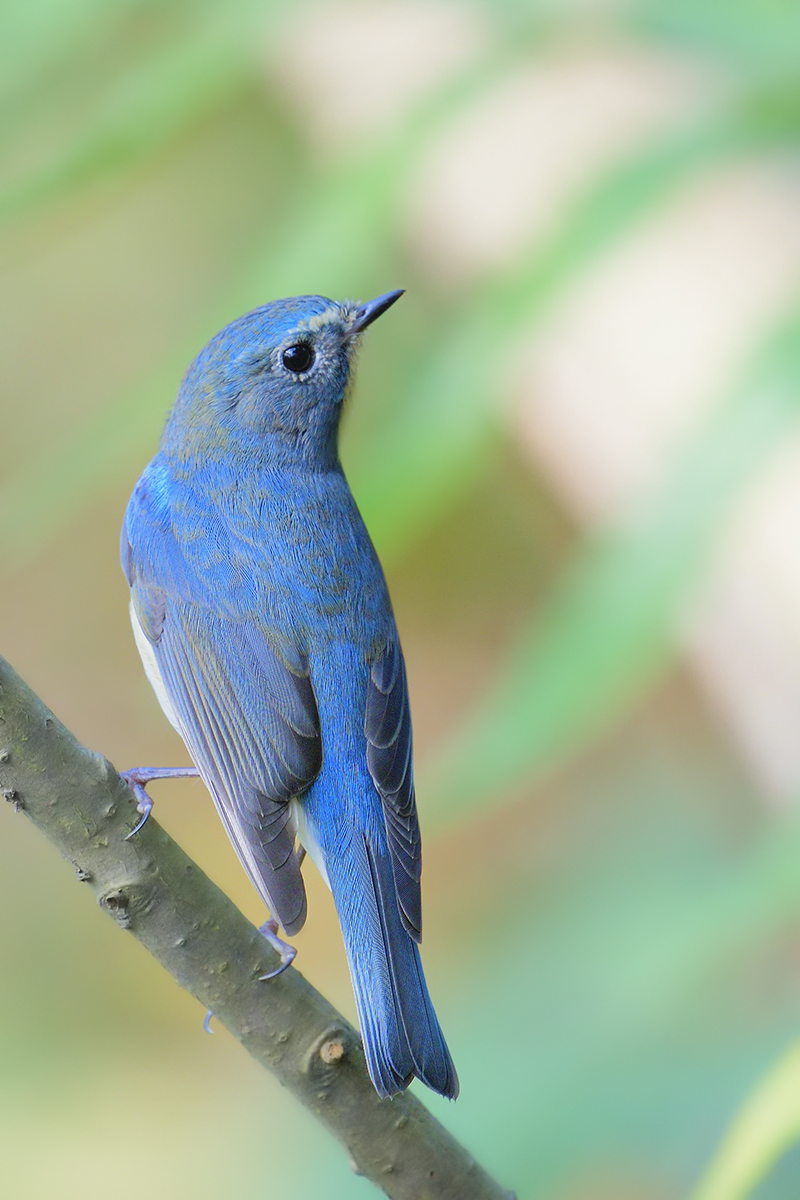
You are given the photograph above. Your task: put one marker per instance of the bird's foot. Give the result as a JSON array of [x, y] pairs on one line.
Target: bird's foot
[[137, 780], [269, 931]]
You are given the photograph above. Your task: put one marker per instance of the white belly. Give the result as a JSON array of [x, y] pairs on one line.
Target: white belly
[[307, 837], [148, 657]]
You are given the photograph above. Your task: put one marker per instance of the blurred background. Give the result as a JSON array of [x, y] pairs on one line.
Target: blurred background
[[577, 444]]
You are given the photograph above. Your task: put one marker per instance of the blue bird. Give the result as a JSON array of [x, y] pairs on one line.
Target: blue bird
[[264, 623]]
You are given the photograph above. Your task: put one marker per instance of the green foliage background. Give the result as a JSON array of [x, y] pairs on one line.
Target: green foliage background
[[611, 911]]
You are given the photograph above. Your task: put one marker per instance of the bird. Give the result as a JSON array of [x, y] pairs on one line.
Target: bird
[[264, 623]]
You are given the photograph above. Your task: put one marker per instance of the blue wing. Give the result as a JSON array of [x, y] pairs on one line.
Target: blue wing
[[387, 725], [242, 698]]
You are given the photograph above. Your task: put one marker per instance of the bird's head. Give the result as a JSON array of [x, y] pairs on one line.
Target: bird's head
[[271, 384]]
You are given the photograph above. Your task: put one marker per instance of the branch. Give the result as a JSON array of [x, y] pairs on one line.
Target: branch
[[151, 888]]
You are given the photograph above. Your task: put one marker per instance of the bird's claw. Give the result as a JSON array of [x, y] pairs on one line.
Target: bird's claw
[[137, 779], [288, 953], [144, 804]]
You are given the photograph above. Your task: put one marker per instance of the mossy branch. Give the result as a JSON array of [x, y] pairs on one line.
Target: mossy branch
[[151, 888]]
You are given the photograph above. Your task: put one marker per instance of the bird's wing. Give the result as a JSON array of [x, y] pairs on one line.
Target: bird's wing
[[243, 702], [387, 725]]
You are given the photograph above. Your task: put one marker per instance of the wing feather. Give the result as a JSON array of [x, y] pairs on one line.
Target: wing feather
[[387, 725]]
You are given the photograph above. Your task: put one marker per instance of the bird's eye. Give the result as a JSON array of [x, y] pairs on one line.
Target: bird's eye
[[298, 358]]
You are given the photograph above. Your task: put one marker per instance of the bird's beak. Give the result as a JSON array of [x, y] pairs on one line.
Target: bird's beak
[[370, 312]]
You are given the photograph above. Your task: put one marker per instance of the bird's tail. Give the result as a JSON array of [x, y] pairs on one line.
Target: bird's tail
[[401, 1033]]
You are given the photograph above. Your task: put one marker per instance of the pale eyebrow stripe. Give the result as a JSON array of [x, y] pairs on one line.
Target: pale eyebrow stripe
[[334, 313]]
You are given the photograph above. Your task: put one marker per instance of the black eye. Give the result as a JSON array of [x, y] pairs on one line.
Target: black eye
[[298, 358]]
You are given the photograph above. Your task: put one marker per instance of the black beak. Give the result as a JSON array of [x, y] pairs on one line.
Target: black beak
[[370, 312]]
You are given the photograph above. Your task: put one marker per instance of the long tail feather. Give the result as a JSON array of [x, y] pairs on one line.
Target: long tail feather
[[401, 1034]]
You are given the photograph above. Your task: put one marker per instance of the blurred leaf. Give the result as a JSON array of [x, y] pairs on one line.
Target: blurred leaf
[[442, 419], [39, 34], [441, 422], [755, 35], [768, 1124], [147, 106], [346, 217], [608, 631]]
